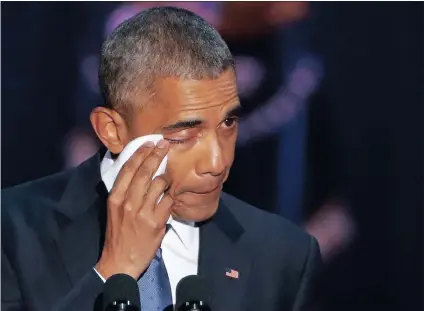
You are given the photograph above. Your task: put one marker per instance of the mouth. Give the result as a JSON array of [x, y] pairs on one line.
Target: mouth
[[207, 192]]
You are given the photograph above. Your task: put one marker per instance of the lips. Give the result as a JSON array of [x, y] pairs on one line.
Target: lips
[[205, 190]]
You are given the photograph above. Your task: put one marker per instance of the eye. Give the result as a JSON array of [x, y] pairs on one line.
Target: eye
[[230, 122], [176, 141]]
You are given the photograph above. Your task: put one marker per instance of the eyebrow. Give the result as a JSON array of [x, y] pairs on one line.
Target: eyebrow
[[185, 124], [234, 112]]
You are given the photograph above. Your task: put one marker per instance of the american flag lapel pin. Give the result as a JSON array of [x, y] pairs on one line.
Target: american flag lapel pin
[[231, 273]]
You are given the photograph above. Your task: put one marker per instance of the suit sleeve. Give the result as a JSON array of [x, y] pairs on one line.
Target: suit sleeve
[[85, 296], [312, 268]]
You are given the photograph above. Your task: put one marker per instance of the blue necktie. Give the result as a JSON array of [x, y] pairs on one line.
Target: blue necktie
[[155, 290]]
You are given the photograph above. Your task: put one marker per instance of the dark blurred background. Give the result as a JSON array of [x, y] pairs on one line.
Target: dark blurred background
[[332, 136]]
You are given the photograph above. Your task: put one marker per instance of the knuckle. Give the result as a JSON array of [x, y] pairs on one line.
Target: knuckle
[[114, 201], [160, 182], [128, 207], [157, 154], [141, 216], [128, 167], [145, 172], [150, 222], [142, 151], [154, 225]]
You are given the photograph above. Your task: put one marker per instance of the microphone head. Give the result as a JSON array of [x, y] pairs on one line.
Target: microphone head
[[192, 288], [121, 288]]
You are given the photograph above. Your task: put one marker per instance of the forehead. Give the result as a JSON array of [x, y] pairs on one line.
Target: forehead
[[179, 94]]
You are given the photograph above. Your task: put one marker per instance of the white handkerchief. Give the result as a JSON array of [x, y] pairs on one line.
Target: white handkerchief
[[110, 168]]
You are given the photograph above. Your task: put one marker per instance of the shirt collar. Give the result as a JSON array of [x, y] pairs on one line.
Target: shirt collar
[[184, 230]]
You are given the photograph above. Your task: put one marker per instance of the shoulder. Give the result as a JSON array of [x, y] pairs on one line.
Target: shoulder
[[32, 200], [269, 232], [46, 188]]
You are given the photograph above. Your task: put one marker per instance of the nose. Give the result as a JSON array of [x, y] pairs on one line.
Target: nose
[[211, 157]]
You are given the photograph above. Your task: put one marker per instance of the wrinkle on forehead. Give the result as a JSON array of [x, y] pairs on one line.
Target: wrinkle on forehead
[[197, 94], [199, 104]]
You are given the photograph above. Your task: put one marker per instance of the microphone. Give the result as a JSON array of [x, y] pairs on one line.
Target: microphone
[[193, 294], [121, 293]]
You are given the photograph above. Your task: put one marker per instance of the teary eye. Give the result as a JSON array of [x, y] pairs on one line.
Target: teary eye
[[176, 141]]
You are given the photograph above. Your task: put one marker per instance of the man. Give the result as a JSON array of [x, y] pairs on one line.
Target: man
[[164, 71]]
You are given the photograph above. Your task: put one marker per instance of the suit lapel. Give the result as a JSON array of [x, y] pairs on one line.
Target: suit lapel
[[81, 224], [218, 253]]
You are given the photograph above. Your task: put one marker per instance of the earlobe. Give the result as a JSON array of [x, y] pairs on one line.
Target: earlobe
[[110, 128]]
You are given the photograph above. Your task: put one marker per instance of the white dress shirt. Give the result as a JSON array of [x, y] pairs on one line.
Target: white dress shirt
[[180, 246]]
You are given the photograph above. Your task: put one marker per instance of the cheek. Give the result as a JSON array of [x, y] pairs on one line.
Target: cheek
[[179, 167], [228, 145], [229, 157], [182, 161]]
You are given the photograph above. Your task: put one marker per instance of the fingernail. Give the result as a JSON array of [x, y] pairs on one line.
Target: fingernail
[[162, 143], [149, 144]]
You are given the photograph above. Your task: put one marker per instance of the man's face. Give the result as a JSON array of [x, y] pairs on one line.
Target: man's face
[[199, 119]]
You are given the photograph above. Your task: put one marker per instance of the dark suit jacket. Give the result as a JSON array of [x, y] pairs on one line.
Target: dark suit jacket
[[53, 232]]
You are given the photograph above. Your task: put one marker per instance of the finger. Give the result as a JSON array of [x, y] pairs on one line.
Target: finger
[[163, 209], [144, 175], [157, 188], [129, 169]]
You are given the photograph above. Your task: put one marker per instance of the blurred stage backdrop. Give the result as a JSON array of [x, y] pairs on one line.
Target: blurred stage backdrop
[[332, 135]]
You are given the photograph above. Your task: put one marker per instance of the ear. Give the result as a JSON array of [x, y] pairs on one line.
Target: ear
[[110, 128]]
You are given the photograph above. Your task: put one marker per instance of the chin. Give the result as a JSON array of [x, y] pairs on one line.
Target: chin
[[194, 214]]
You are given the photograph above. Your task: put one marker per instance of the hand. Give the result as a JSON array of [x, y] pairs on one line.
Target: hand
[[136, 224]]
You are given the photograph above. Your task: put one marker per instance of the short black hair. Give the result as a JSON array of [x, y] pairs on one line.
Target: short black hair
[[156, 43]]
